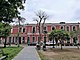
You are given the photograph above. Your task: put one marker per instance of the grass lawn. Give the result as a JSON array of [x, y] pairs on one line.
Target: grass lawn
[[57, 54], [11, 51]]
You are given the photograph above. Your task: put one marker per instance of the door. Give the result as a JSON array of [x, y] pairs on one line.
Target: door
[[19, 40], [28, 40]]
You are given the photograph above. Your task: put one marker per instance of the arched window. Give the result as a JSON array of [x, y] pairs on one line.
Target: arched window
[[62, 27], [53, 28]]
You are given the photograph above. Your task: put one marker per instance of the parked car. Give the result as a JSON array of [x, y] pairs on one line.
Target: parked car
[[50, 43]]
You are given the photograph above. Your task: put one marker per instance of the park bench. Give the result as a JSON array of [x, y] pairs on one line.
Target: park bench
[[3, 55]]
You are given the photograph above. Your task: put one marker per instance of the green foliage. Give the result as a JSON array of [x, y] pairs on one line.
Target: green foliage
[[59, 34], [73, 34], [11, 51], [9, 9], [5, 29]]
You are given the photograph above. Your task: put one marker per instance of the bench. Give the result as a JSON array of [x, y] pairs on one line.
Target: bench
[[3, 55]]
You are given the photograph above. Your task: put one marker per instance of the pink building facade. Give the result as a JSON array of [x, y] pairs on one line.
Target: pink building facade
[[29, 33]]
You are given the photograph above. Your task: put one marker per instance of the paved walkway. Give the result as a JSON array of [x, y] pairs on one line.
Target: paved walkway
[[28, 53]]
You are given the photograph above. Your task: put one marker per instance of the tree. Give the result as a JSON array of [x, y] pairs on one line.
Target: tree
[[9, 9], [41, 17], [76, 35], [59, 35], [52, 35], [73, 35], [19, 20], [5, 29]]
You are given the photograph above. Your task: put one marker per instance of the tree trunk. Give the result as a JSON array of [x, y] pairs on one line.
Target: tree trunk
[[53, 43], [39, 33], [18, 40], [18, 35], [5, 42], [45, 41], [61, 45]]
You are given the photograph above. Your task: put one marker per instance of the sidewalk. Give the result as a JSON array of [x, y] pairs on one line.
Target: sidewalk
[[28, 53]]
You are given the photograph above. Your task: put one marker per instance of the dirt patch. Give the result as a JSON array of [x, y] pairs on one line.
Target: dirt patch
[[50, 53], [65, 54]]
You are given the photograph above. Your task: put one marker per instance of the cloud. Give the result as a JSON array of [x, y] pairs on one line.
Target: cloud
[[58, 10]]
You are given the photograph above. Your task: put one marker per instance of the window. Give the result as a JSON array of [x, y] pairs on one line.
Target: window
[[44, 28], [19, 40], [53, 28], [62, 27], [9, 39], [13, 40], [16, 39], [20, 29], [67, 28], [33, 29], [23, 30], [33, 39], [28, 40], [74, 29]]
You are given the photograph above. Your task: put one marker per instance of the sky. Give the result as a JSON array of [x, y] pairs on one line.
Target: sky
[[58, 10]]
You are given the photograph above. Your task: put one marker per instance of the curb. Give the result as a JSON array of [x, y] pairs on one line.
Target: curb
[[38, 55]]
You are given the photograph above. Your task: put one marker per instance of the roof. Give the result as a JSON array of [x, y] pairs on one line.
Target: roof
[[50, 24]]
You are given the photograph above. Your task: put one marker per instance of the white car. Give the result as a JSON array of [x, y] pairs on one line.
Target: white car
[[50, 43]]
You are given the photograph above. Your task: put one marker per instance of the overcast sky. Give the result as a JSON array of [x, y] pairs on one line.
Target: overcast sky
[[58, 10]]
